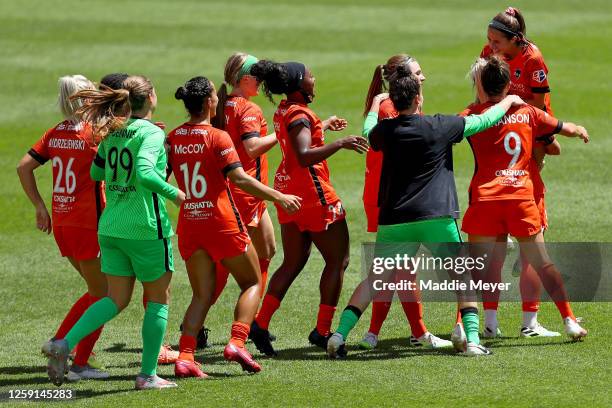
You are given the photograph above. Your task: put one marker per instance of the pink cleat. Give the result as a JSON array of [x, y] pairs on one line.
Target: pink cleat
[[241, 356]]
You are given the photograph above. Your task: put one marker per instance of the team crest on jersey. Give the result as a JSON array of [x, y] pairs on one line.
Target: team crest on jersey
[[539, 76], [517, 73]]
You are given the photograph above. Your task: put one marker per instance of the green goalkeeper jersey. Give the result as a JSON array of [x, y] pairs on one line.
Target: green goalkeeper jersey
[[132, 162]]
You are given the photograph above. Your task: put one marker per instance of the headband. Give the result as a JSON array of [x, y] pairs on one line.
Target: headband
[[246, 66], [504, 29], [295, 72]]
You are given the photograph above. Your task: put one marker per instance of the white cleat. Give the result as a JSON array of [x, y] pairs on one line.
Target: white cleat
[[414, 342], [491, 332], [458, 338], [369, 341], [538, 331], [574, 330], [86, 372], [474, 350], [57, 365], [430, 341], [334, 344], [144, 382]]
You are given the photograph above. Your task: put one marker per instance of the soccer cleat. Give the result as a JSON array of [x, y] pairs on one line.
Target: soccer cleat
[[491, 333], [57, 365], [538, 331], [414, 342], [317, 339], [574, 330], [335, 346], [167, 355], [188, 368], [86, 372], [369, 341], [152, 382], [241, 356], [474, 350], [430, 341], [458, 338], [261, 339], [202, 338]]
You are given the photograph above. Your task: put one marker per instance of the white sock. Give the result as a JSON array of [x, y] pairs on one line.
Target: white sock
[[491, 318], [530, 319]]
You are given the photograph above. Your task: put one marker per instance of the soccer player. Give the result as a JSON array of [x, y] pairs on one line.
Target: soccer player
[[77, 204], [529, 79], [501, 192], [166, 354], [376, 101], [243, 120], [418, 195], [303, 171], [134, 229], [210, 228]]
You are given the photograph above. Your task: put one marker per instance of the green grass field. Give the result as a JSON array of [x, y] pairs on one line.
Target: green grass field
[[342, 41]]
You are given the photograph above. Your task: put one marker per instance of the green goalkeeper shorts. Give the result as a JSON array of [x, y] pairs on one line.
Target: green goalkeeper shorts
[[440, 235], [147, 260]]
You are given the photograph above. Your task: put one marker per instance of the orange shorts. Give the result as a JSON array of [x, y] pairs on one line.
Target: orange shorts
[[217, 245], [542, 208], [519, 218], [78, 243], [371, 212], [251, 210], [314, 219]]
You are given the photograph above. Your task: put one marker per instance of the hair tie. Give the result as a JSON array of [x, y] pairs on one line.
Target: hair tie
[[511, 11]]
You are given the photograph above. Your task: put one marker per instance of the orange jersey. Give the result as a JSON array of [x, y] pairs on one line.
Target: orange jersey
[[200, 157], [374, 159], [503, 153], [244, 120], [528, 73], [77, 199], [311, 183]]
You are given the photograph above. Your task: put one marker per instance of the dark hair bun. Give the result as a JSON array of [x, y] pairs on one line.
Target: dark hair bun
[[273, 76], [180, 93], [402, 71]]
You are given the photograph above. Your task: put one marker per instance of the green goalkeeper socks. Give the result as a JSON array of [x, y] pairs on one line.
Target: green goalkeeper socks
[[94, 317], [349, 318], [469, 317], [153, 330]]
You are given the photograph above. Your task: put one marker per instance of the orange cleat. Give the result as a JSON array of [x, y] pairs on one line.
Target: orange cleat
[[188, 368], [167, 355], [241, 356]]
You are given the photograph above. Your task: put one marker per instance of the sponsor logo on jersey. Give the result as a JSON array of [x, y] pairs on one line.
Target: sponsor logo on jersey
[[202, 132], [198, 205], [63, 199], [74, 144], [539, 76], [226, 151], [230, 103], [181, 132], [249, 119], [193, 148], [121, 189], [69, 127]]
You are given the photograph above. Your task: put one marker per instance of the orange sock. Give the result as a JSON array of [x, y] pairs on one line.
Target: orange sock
[[240, 333], [458, 317], [565, 309], [263, 265], [490, 305], [380, 311], [414, 313], [73, 316], [531, 306], [187, 346], [324, 319], [268, 308], [221, 280]]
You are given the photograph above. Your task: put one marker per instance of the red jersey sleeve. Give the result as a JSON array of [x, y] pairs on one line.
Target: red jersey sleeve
[[249, 124], [538, 74], [486, 52], [225, 153], [387, 110], [297, 116], [545, 126], [40, 151]]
